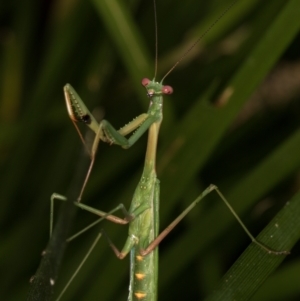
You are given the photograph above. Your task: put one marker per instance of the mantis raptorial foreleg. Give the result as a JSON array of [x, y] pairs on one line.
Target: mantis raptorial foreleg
[[104, 131]]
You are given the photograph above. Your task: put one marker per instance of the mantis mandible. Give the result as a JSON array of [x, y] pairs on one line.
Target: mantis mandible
[[142, 216]]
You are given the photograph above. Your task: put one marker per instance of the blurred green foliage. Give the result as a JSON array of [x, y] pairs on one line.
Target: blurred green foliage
[[104, 50]]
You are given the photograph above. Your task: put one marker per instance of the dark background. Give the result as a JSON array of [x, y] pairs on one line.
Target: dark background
[[239, 143]]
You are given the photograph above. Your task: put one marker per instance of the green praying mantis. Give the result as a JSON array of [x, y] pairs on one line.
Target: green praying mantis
[[143, 214]]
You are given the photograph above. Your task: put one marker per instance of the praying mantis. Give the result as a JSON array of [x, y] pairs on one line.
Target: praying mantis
[[72, 98]]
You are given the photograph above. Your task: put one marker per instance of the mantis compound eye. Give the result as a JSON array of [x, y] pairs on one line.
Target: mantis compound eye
[[145, 81], [167, 90]]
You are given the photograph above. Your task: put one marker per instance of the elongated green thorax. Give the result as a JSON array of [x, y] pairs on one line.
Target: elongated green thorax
[[155, 92]]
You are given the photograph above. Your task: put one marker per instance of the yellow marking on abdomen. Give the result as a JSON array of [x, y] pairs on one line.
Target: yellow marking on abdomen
[[139, 258], [139, 276], [140, 295]]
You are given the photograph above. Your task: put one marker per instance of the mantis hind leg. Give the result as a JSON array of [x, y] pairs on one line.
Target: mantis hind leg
[[208, 190], [80, 266]]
